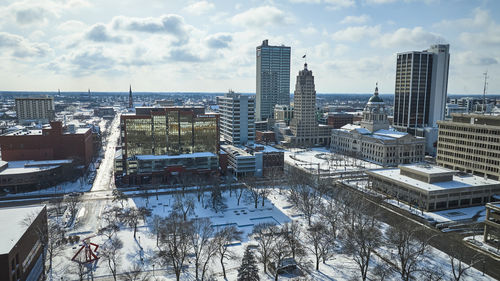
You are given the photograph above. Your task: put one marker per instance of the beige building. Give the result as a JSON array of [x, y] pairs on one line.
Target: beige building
[[470, 143], [37, 109], [433, 188], [374, 141], [492, 223], [283, 113], [305, 130]]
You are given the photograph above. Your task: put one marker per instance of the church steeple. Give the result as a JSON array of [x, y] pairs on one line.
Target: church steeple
[[130, 100]]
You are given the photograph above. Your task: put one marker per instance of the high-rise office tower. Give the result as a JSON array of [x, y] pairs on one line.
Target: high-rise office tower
[[421, 88], [237, 122], [303, 123], [273, 79]]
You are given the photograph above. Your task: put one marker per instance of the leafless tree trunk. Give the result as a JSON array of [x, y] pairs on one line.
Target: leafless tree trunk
[[201, 244], [183, 206], [111, 254], [292, 233], [264, 234], [305, 200], [222, 238], [460, 260], [361, 237], [135, 273], [319, 242], [72, 204], [253, 189], [119, 196], [410, 249]]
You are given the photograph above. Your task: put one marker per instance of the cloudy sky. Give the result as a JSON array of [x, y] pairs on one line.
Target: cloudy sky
[[209, 46]]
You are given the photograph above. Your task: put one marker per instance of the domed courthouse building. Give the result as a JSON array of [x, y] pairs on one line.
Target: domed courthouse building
[[374, 141]]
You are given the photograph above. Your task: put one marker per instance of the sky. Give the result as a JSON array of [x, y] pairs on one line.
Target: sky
[[209, 46]]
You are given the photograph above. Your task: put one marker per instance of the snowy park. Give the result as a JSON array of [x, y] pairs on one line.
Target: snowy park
[[214, 229]]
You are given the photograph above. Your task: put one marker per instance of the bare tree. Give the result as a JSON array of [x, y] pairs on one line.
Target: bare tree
[[239, 192], [222, 239], [109, 230], [264, 233], [111, 254], [253, 189], [410, 248], [175, 243], [119, 196], [460, 259], [264, 192], [320, 243], [330, 214], [202, 245], [279, 251], [133, 216], [292, 232], [361, 237], [158, 224], [183, 206], [305, 199], [72, 204]]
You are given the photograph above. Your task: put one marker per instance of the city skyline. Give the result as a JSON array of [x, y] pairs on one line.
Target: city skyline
[[210, 46]]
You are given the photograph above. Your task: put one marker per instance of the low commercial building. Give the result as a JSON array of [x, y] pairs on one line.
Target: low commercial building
[[257, 160], [492, 224], [104, 111], [267, 137], [337, 120], [432, 188], [25, 176], [23, 235], [168, 169], [283, 113], [52, 142]]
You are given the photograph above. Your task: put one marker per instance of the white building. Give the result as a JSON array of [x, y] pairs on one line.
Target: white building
[[374, 141], [242, 162], [35, 109], [237, 123]]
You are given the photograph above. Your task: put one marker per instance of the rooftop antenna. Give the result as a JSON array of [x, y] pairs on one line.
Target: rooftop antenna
[[484, 90]]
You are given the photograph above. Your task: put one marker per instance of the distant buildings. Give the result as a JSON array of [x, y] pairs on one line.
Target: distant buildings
[[433, 188], [130, 99], [35, 109], [283, 113], [162, 132], [256, 160], [24, 234], [337, 120], [470, 143], [273, 79], [304, 128], [237, 123], [421, 88], [373, 140], [52, 142]]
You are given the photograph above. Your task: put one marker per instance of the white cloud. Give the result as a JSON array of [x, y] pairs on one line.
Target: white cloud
[[21, 47], [100, 33], [261, 17], [310, 30], [355, 19], [468, 58], [330, 4], [416, 37], [356, 33], [199, 8], [72, 26], [219, 40], [380, 1]]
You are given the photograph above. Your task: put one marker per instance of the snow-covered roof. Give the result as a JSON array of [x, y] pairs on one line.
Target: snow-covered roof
[[267, 148], [390, 133], [11, 218], [189, 155], [457, 182]]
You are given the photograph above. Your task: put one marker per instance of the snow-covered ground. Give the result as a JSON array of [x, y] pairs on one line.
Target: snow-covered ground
[[276, 209], [327, 161]]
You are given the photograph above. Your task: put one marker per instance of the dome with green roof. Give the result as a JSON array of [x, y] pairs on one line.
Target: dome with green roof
[[375, 97]]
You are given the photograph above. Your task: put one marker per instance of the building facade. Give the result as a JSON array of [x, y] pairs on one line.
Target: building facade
[[21, 251], [283, 113], [421, 88], [432, 188], [492, 224], [372, 140], [470, 143], [165, 132], [237, 123], [304, 127], [50, 143], [273, 79], [337, 120], [35, 109]]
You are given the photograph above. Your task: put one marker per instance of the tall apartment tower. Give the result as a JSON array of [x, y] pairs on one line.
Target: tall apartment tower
[[303, 123], [37, 109], [237, 123], [273, 79], [130, 100], [421, 88]]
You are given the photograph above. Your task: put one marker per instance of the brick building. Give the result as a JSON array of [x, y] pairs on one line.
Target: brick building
[[22, 243], [337, 120], [50, 143]]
